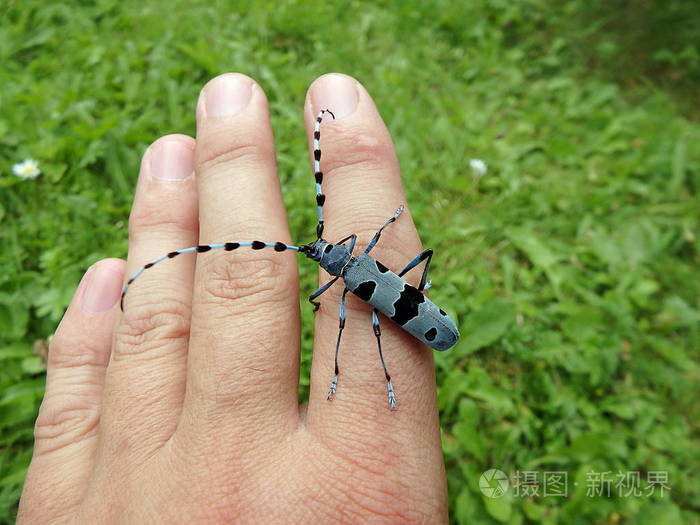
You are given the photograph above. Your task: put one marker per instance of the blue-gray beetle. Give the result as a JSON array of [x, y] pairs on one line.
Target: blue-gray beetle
[[387, 292]]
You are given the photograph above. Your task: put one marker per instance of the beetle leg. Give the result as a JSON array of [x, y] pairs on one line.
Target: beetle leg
[[341, 326]]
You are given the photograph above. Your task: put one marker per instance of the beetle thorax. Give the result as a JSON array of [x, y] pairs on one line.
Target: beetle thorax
[[331, 257]]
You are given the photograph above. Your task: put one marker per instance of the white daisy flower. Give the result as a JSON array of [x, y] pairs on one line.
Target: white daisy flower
[[479, 167], [27, 169]]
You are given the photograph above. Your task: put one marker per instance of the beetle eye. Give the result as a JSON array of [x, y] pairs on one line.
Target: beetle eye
[[328, 248]]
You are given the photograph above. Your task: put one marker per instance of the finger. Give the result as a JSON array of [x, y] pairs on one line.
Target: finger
[[146, 378], [69, 418], [363, 188], [243, 365]]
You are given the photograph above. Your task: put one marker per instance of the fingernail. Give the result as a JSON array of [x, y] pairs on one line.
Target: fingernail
[[171, 160], [226, 95], [102, 290], [337, 93]]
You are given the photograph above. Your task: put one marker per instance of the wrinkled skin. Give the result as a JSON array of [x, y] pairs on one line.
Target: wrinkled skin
[[184, 408]]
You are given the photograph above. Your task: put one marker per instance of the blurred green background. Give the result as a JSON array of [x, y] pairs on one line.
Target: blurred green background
[[572, 264]]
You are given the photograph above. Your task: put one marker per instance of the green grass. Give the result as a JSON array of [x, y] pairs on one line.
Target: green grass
[[572, 265]]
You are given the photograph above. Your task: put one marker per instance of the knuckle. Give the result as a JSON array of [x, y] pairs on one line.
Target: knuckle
[[67, 353], [148, 217], [226, 154], [64, 421], [151, 324], [361, 149], [264, 279]]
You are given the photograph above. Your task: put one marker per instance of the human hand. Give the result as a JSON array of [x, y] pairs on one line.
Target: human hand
[[184, 408]]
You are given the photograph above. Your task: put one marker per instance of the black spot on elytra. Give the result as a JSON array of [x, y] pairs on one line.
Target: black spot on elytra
[[147, 266], [442, 311], [257, 245], [381, 267], [320, 199], [430, 334], [317, 154], [319, 176], [365, 290], [173, 254], [406, 306], [280, 246], [231, 246], [203, 248]]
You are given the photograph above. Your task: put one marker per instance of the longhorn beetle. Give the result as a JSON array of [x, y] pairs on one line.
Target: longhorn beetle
[[362, 274]]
